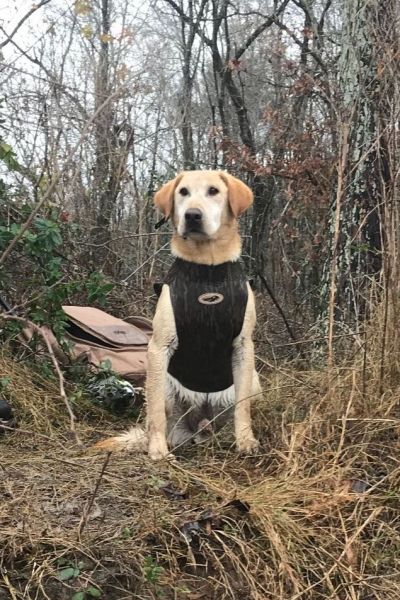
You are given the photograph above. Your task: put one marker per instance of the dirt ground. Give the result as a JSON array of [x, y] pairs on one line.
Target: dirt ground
[[315, 515]]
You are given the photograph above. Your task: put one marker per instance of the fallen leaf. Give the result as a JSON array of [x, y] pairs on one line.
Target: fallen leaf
[[174, 494]]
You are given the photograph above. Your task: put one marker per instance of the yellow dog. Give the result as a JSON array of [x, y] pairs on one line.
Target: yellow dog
[[201, 355]]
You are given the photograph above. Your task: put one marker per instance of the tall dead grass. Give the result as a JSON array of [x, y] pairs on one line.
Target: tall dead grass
[[314, 516]]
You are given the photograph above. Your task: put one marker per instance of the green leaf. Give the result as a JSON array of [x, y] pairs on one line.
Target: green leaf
[[93, 592], [152, 570], [79, 596], [5, 382], [66, 574], [126, 533], [8, 157]]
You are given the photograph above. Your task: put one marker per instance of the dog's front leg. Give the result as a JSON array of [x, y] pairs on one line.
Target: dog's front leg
[[164, 334], [243, 377]]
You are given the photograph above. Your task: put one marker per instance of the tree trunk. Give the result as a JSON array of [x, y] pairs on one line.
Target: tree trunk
[[357, 255], [114, 141], [187, 91], [103, 202]]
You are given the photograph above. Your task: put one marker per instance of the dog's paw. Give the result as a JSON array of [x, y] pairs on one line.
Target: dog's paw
[[158, 450], [161, 454], [248, 445]]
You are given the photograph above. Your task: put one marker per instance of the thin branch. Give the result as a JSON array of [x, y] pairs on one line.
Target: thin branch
[[220, 64], [34, 8], [127, 278], [211, 43], [260, 29], [344, 145], [323, 15], [299, 42], [56, 180], [31, 433], [51, 79], [86, 512], [187, 20], [40, 331], [280, 310]]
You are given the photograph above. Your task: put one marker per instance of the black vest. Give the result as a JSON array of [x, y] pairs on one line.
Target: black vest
[[209, 304]]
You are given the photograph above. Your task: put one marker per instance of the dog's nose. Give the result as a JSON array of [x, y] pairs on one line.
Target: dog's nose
[[193, 216]]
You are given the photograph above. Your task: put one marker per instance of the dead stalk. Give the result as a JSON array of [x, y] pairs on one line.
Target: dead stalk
[[86, 512], [384, 331], [339, 194], [56, 366]]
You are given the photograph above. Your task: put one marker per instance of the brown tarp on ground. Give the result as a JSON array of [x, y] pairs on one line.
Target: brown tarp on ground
[[97, 336]]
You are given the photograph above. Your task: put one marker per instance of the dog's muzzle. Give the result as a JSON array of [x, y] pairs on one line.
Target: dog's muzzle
[[193, 221]]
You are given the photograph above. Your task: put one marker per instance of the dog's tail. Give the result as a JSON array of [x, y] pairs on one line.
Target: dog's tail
[[134, 439]]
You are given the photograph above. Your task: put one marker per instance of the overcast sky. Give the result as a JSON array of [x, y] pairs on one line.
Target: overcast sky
[[12, 11]]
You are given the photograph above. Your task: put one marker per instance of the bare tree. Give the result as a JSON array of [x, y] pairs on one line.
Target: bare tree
[[363, 171]]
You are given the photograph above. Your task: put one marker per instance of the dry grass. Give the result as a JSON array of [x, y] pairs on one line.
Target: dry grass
[[314, 516]]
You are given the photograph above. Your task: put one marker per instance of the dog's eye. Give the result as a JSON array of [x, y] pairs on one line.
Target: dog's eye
[[213, 191], [184, 191]]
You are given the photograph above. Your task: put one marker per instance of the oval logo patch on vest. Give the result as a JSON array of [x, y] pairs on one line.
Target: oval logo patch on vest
[[210, 298]]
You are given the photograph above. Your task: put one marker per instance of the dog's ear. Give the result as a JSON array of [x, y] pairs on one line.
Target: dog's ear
[[164, 198], [240, 196]]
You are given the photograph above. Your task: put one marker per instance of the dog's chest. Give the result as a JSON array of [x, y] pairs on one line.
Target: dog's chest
[[209, 304]]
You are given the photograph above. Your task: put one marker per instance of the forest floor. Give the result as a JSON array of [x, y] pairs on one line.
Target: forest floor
[[315, 515]]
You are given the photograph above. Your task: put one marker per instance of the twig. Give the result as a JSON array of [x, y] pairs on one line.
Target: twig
[[10, 587], [86, 511], [18, 307], [118, 239], [280, 310], [384, 331], [29, 432], [144, 262], [312, 340], [394, 422], [57, 369], [56, 180], [34, 8], [364, 367], [349, 542], [335, 249]]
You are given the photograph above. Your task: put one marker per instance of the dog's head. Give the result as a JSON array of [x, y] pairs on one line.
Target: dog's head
[[200, 202]]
